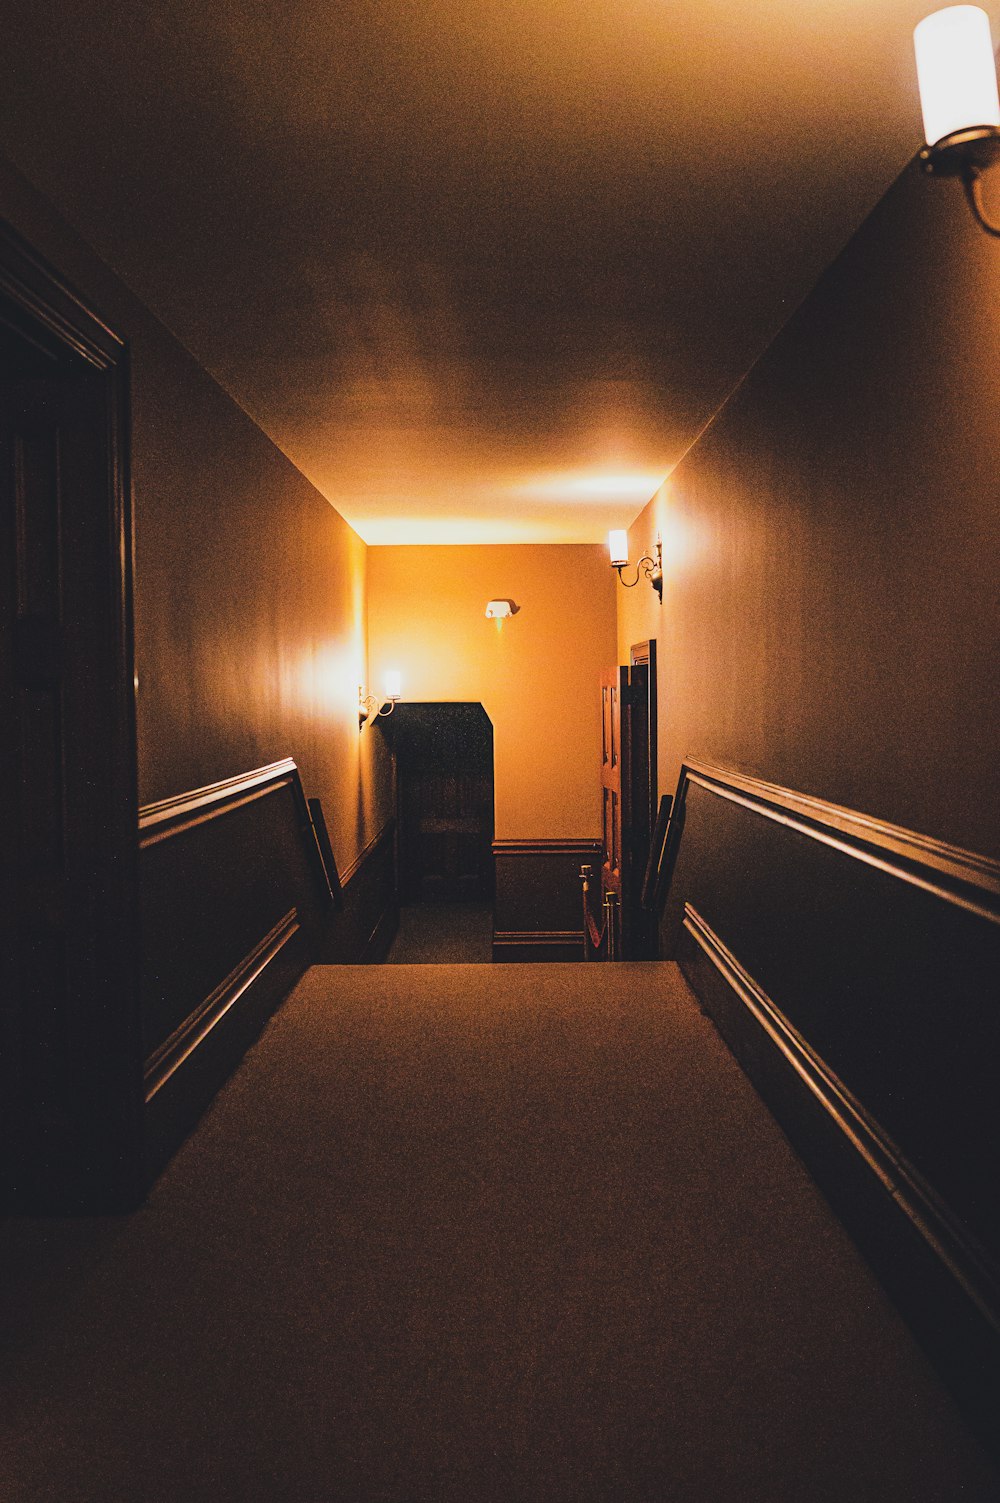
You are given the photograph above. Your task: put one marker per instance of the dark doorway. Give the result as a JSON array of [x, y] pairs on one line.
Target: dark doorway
[[444, 769], [628, 793], [639, 732], [69, 1042]]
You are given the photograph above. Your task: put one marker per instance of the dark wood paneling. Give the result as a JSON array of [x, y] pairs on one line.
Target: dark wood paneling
[[364, 924], [851, 965], [234, 899], [237, 902], [187, 1069], [539, 914], [219, 867], [71, 1106]]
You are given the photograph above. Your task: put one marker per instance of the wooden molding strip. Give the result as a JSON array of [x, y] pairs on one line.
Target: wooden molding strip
[[363, 855], [172, 1053], [585, 847], [43, 293], [961, 877], [940, 1228], [318, 821], [168, 816], [538, 936]]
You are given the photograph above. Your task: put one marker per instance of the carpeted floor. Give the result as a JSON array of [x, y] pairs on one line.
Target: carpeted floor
[[471, 1234], [443, 934]]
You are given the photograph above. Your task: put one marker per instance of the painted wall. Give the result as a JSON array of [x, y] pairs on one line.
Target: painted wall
[[537, 675], [249, 587], [831, 615]]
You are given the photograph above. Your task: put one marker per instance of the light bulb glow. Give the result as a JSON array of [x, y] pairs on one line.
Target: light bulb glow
[[499, 610], [393, 682], [618, 546], [956, 71]]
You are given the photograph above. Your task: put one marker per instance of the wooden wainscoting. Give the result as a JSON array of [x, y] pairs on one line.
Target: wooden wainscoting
[[539, 914], [233, 892], [362, 929], [852, 967], [239, 895]]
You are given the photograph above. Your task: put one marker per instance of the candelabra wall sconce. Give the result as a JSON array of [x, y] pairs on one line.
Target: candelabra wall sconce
[[957, 78], [650, 566], [371, 706]]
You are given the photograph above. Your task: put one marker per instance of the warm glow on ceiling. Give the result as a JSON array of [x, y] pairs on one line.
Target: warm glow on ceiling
[[595, 485], [503, 309]]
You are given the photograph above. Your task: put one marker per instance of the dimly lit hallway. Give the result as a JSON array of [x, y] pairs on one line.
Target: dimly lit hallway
[[474, 1233]]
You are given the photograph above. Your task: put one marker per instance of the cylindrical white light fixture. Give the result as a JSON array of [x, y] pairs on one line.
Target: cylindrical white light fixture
[[393, 684], [956, 71], [618, 546]]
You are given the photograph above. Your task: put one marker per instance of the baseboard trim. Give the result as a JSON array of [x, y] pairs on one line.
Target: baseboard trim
[[944, 1233], [186, 1072], [355, 866], [944, 1281], [537, 945], [172, 1053], [379, 942], [589, 846]]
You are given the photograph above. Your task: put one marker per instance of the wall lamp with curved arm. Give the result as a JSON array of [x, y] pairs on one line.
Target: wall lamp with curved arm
[[957, 77], [650, 566], [371, 706]]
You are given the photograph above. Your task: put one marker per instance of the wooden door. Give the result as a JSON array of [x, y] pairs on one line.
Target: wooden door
[[71, 1136], [639, 798], [32, 896], [614, 683], [628, 795]]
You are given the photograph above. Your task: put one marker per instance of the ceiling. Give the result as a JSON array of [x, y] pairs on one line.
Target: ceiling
[[482, 270]]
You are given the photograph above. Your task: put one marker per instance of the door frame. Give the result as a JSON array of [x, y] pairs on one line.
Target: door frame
[[639, 800], [395, 731], [643, 654], [92, 1159]]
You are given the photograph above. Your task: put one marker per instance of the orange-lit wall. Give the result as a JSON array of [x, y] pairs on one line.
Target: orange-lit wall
[[249, 587], [537, 676], [831, 616]]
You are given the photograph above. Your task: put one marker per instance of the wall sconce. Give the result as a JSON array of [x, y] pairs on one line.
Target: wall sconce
[[499, 610], [370, 706], [649, 566], [957, 77]]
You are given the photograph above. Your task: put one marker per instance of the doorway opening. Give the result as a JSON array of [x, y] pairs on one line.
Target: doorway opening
[[70, 1060], [629, 799], [444, 811]]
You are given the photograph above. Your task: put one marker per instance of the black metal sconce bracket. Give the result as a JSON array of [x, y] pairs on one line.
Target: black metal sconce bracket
[[649, 567], [966, 154]]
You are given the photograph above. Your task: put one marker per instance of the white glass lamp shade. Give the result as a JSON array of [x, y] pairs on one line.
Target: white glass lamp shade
[[956, 71], [618, 546], [393, 682]]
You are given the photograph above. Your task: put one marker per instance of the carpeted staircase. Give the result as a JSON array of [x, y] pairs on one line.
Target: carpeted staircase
[[473, 1234]]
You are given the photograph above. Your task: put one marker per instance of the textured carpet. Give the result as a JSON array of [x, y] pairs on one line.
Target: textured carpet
[[473, 1233], [443, 934]]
